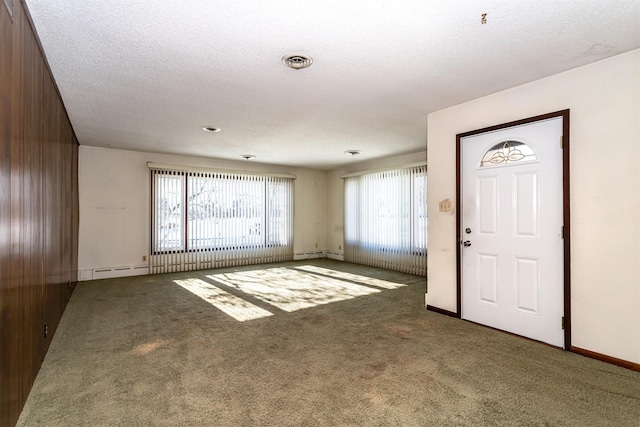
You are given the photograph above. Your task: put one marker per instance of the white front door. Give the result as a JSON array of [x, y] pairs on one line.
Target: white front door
[[512, 262]]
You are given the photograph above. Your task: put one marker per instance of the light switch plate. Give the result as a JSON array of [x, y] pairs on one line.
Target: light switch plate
[[446, 206]]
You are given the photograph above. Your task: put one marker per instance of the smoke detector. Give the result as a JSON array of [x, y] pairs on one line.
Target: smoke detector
[[297, 61]]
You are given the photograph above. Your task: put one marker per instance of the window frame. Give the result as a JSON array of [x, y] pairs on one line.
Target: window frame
[[187, 244], [415, 248]]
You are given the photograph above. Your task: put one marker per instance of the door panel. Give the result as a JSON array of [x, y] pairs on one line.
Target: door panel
[[527, 284], [512, 264], [488, 212], [526, 202], [488, 278]]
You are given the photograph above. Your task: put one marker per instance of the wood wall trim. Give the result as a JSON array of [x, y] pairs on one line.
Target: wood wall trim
[[607, 359], [566, 209], [458, 226], [442, 311]]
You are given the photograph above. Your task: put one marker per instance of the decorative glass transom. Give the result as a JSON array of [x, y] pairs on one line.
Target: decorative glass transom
[[508, 152]]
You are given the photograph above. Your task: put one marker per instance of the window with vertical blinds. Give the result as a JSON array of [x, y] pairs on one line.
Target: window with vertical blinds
[[386, 219], [214, 219]]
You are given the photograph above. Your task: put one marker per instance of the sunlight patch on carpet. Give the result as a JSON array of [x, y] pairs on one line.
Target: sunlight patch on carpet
[[290, 289], [232, 305], [146, 348], [379, 283]]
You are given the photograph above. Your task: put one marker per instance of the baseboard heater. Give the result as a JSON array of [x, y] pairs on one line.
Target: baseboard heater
[[318, 254], [111, 272], [140, 270]]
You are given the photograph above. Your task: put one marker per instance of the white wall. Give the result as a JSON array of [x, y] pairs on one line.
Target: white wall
[[115, 199], [604, 99], [335, 195]]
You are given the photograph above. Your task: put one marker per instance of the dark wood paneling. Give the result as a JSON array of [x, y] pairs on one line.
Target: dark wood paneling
[[30, 316], [6, 42], [38, 210], [51, 237], [75, 213], [15, 267]]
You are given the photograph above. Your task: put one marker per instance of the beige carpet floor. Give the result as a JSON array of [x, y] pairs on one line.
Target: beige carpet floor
[[310, 343]]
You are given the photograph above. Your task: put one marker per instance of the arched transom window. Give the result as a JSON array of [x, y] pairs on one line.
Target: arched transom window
[[508, 152]]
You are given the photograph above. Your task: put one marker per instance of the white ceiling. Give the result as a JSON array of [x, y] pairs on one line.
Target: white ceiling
[[147, 75]]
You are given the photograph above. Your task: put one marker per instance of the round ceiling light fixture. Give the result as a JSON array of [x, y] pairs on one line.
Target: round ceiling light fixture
[[297, 61], [210, 129], [352, 152], [247, 156]]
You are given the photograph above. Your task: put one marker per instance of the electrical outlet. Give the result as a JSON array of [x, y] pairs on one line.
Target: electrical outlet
[[46, 330], [316, 246], [144, 257], [339, 247]]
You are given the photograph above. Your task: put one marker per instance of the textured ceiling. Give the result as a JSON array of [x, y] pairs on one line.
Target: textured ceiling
[[147, 75]]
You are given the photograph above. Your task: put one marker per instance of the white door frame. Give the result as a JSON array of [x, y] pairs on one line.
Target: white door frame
[[566, 211]]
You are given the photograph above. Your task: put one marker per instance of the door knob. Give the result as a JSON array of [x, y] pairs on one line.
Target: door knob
[[466, 243]]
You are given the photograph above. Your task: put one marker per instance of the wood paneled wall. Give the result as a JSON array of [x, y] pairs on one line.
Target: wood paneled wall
[[38, 210]]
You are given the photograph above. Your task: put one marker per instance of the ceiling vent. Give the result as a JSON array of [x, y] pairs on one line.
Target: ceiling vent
[[297, 61]]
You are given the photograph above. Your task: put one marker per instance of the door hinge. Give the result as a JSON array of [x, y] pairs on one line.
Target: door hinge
[[561, 141], [562, 232], [562, 322]]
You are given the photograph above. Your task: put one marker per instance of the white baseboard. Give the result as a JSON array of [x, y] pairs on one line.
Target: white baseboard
[[140, 270], [309, 255], [84, 275], [318, 254], [112, 272], [335, 255]]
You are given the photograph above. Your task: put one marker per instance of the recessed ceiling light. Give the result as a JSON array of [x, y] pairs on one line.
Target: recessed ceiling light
[[352, 152], [297, 61], [210, 129], [247, 156]]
